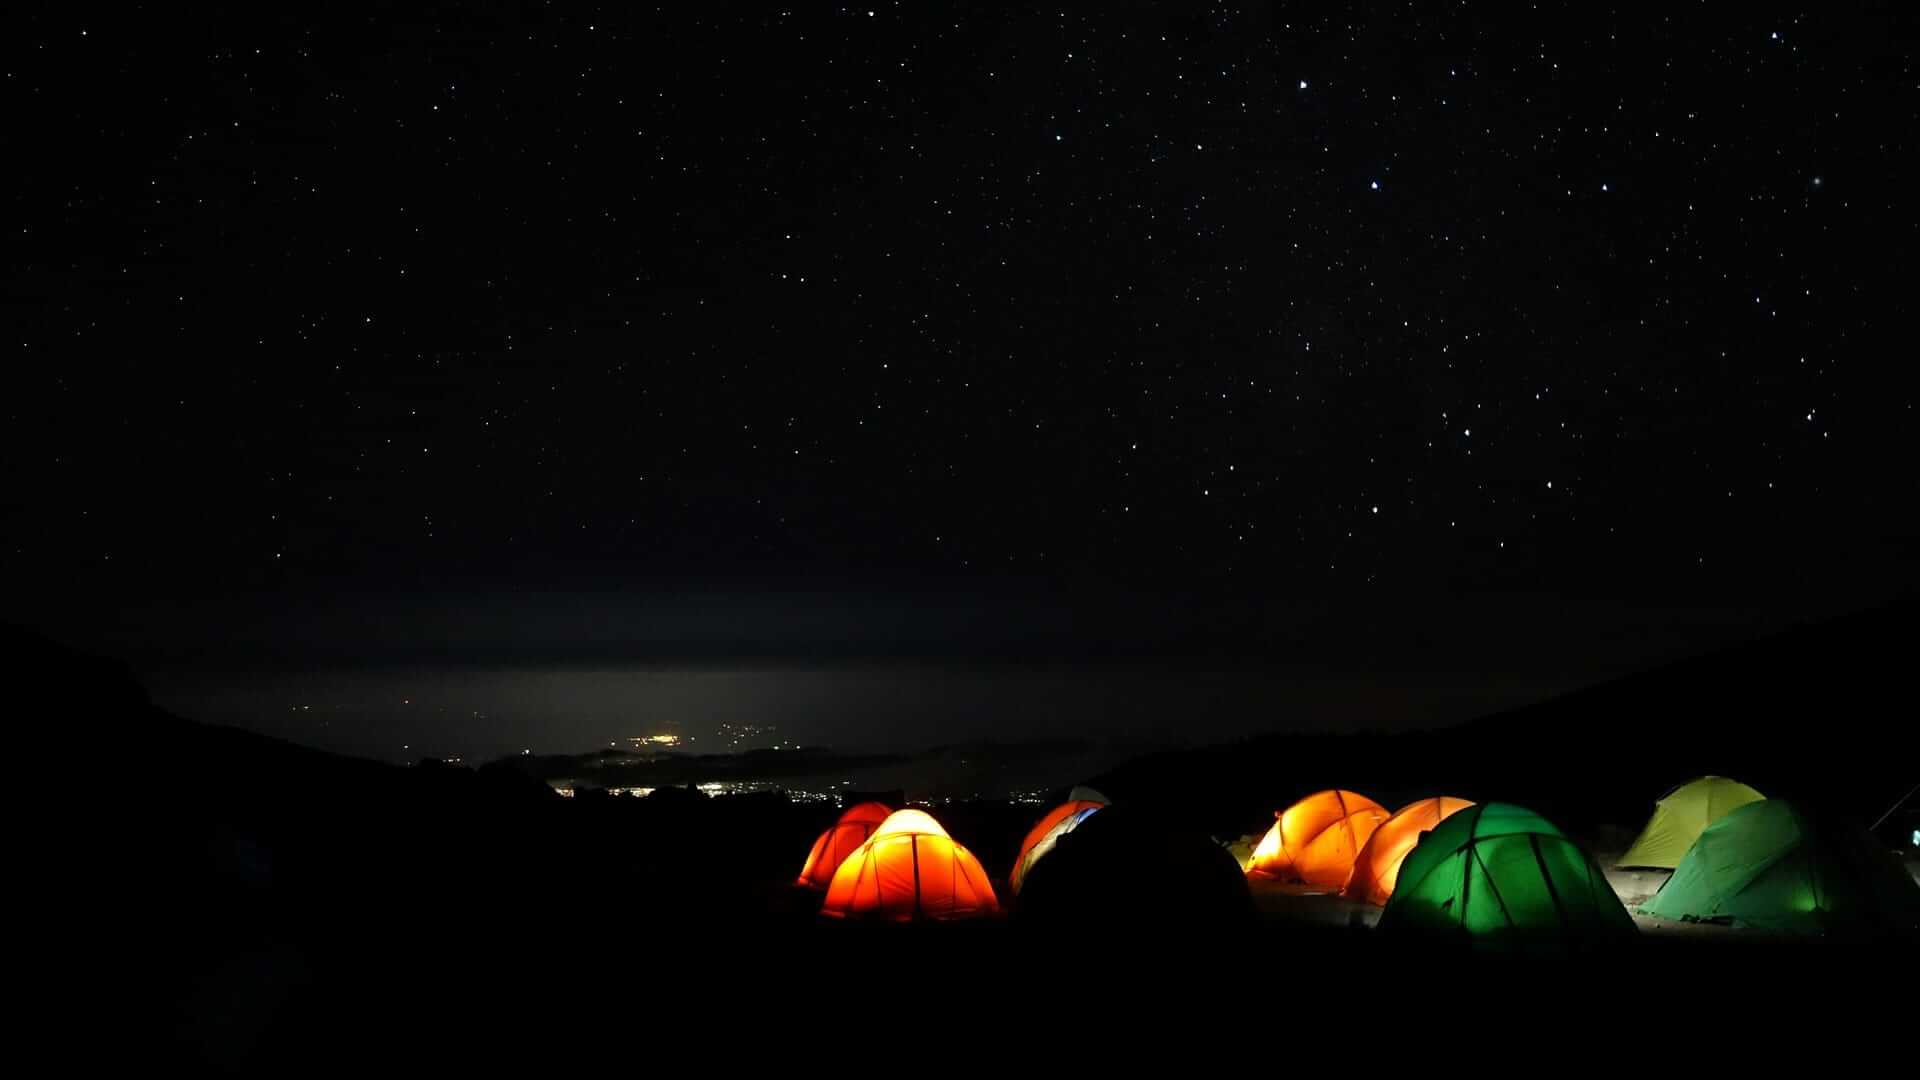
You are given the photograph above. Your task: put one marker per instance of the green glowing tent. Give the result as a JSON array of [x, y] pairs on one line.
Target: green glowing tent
[[1679, 817], [1498, 874], [1772, 865]]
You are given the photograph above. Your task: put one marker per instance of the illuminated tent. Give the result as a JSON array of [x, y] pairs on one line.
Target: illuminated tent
[[1771, 865], [840, 841], [1131, 872], [1378, 865], [1496, 874], [1046, 833], [908, 870], [1679, 817], [1315, 840]]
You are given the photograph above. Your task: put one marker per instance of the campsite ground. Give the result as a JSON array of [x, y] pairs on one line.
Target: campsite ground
[[668, 960], [275, 909], [1636, 887], [1280, 903]]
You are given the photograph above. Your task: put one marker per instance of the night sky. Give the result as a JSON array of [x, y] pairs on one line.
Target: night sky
[[539, 334]]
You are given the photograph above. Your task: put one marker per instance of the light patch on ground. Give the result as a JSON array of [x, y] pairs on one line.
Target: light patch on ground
[[1633, 887], [1296, 903]]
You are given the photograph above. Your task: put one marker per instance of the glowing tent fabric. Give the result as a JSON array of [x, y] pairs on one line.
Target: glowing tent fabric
[[872, 813], [1377, 867], [1681, 815], [840, 841], [909, 870], [1315, 841], [1046, 833], [1770, 865], [909, 821], [1500, 875]]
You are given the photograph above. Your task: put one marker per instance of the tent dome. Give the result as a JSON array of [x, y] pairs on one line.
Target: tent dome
[[1772, 865], [909, 870], [1315, 840], [872, 813], [1679, 817], [840, 840], [1046, 833], [1377, 867], [1127, 869], [1497, 874], [909, 821]]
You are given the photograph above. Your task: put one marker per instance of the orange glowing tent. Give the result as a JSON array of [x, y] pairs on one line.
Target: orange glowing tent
[[908, 870], [840, 841], [1315, 841], [1047, 832], [1377, 868]]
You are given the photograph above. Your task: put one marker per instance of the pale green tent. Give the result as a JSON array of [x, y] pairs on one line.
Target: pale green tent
[[1773, 866], [1681, 815]]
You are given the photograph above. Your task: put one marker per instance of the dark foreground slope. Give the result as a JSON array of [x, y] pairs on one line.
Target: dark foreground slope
[[244, 903]]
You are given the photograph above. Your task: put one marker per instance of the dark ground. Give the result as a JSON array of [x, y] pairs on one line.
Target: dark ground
[[269, 908]]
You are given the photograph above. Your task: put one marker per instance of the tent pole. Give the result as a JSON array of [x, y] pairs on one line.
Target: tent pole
[[1895, 806]]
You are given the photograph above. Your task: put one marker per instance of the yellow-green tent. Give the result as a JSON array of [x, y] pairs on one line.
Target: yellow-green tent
[[1681, 815]]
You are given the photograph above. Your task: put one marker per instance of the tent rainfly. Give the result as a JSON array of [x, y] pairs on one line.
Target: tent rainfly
[[1377, 867], [910, 870], [1046, 833], [1314, 841], [841, 840], [1680, 816], [1499, 875]]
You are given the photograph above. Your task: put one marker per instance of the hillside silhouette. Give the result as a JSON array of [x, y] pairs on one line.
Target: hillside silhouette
[[1823, 712]]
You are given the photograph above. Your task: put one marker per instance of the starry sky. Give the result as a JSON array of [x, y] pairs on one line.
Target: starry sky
[[1151, 328]]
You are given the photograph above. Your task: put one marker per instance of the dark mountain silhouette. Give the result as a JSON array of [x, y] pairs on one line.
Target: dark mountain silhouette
[[1824, 712], [624, 768], [250, 896], [616, 768]]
